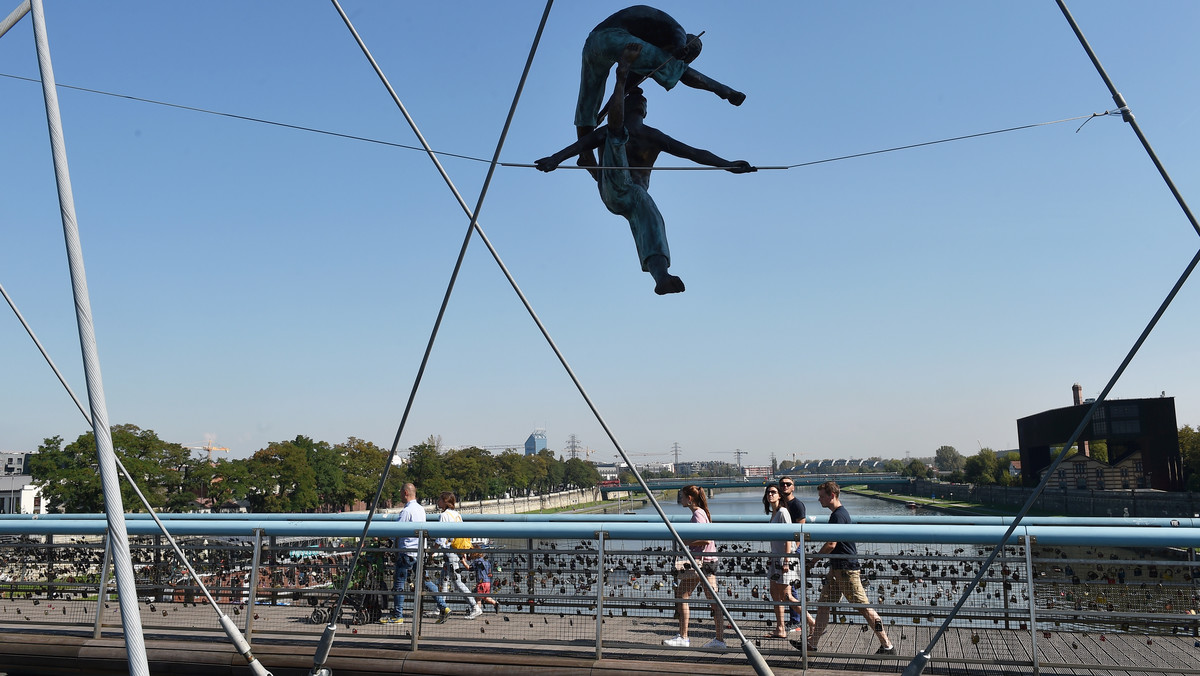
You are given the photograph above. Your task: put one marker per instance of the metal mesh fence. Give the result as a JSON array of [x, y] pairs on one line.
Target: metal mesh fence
[[1035, 605]]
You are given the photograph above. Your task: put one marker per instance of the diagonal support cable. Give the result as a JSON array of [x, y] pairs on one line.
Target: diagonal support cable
[[921, 660], [15, 16], [326, 642], [757, 662], [118, 536], [235, 636], [1127, 116]]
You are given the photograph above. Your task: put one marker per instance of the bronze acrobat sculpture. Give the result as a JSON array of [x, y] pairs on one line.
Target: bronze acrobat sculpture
[[629, 150]]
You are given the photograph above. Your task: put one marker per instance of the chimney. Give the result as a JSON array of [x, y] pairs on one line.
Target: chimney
[[1077, 395]]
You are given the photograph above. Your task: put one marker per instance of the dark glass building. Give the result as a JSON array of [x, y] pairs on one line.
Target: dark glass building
[[1129, 426]]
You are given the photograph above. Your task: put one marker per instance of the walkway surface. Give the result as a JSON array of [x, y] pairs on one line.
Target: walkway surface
[[493, 645]]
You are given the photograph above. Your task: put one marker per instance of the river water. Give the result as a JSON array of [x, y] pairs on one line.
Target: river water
[[749, 501]]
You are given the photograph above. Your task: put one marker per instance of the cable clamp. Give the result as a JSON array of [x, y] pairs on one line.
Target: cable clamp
[[1095, 115]]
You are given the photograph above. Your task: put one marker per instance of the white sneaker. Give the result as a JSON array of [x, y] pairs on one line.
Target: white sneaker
[[476, 611], [677, 642], [715, 643]]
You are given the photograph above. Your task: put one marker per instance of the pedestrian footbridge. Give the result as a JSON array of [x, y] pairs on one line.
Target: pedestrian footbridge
[[1115, 596]]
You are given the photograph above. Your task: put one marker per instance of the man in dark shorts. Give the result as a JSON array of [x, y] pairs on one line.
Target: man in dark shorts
[[843, 577]]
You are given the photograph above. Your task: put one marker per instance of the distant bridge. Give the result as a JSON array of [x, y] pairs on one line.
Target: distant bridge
[[753, 482]]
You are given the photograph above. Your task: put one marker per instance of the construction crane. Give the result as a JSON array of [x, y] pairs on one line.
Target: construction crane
[[208, 446]]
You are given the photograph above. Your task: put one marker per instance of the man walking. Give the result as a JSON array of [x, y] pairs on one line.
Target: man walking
[[795, 508], [843, 577], [406, 559]]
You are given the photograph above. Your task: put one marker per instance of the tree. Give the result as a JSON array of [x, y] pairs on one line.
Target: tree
[[981, 467], [947, 459], [328, 474], [282, 480], [517, 472], [222, 481], [556, 471], [362, 463], [1189, 448], [916, 469], [469, 471], [580, 474], [425, 468], [70, 481]]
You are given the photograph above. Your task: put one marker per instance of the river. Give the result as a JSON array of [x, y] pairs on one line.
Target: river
[[749, 501]]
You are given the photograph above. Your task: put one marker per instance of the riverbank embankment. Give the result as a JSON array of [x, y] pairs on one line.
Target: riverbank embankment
[[947, 505]]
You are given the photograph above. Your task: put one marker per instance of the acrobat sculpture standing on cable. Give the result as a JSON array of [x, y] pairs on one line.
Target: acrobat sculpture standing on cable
[[629, 150]]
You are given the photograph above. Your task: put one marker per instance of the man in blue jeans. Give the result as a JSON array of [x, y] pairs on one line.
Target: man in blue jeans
[[406, 558]]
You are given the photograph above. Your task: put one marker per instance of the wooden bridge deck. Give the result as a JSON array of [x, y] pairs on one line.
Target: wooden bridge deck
[[551, 643]]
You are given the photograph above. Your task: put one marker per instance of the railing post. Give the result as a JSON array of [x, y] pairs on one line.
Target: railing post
[[252, 597], [273, 554], [156, 576], [418, 584], [1029, 542], [599, 593], [49, 565], [1195, 582], [529, 585], [803, 537], [102, 590]]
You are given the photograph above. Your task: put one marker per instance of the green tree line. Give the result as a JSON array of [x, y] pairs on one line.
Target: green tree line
[[300, 475]]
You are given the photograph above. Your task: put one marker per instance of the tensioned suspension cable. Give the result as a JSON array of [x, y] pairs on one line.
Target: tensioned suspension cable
[[922, 658], [846, 157], [236, 636], [521, 165]]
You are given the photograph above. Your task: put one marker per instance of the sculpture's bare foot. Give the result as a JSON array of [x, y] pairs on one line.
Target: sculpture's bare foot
[[735, 97], [669, 284]]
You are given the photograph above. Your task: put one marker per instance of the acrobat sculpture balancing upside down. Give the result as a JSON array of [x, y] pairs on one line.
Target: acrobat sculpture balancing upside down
[[629, 150]]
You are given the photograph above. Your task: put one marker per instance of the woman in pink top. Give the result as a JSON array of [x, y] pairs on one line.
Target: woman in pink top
[[694, 499]]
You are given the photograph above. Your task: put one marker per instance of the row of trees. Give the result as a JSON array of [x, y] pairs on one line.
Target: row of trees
[[985, 467], [304, 475], [301, 475]]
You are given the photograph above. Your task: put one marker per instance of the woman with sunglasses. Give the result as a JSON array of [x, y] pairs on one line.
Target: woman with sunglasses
[[780, 569]]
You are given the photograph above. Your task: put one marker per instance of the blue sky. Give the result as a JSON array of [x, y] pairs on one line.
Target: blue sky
[[251, 283]]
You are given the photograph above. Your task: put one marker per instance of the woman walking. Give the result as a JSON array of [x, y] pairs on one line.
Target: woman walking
[[451, 570], [781, 570], [694, 499]]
